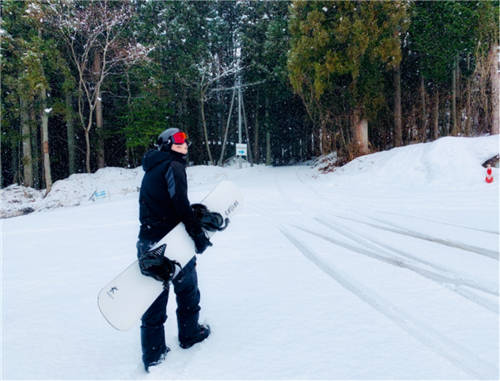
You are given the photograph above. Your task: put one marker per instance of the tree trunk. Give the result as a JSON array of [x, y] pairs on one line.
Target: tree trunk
[[495, 88], [256, 138], [454, 124], [86, 128], [70, 134], [360, 132], [398, 130], [321, 140], [87, 149], [129, 99], [35, 149], [468, 109], [26, 138], [435, 115], [268, 148], [220, 115], [204, 124], [321, 134], [221, 158], [14, 166], [250, 156], [45, 142], [423, 116], [98, 114], [268, 133], [1, 163]]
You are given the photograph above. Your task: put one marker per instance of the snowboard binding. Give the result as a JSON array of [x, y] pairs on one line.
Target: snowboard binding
[[153, 263], [211, 221]]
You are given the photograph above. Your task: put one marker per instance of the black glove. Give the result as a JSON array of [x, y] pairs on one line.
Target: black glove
[[201, 242], [211, 221], [154, 264]]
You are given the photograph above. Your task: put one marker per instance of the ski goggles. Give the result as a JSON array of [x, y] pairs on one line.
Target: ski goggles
[[179, 138]]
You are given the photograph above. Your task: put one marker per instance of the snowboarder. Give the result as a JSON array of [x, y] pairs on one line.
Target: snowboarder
[[163, 203]]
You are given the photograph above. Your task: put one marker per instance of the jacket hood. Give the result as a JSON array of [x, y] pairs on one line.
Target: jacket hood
[[154, 157]]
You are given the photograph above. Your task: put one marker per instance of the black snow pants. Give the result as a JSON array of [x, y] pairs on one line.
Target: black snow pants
[[188, 308]]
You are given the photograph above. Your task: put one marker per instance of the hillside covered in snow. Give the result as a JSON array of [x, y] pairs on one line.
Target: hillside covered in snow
[[385, 268]]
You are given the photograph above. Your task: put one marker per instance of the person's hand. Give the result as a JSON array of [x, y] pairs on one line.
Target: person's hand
[[156, 266], [201, 242]]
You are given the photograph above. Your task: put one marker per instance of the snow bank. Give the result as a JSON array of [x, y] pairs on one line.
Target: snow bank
[[17, 200], [79, 188], [75, 190], [447, 161]]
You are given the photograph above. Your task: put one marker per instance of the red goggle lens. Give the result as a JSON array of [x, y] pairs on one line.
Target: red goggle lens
[[179, 138]]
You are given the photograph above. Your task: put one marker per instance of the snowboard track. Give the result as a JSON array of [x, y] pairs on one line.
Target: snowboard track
[[462, 358], [451, 282], [400, 214], [441, 222], [410, 233], [459, 356], [443, 277], [371, 243], [446, 281]]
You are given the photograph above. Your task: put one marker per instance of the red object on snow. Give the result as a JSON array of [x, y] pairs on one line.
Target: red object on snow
[[489, 175]]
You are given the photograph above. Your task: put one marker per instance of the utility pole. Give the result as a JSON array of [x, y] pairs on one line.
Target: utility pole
[[239, 116]]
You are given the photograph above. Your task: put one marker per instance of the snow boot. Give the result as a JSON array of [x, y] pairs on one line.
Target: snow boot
[[148, 364], [202, 334]]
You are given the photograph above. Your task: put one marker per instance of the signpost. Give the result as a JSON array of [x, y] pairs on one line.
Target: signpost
[[241, 150]]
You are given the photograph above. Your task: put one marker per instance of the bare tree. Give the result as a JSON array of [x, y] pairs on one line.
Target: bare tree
[[211, 71], [93, 31]]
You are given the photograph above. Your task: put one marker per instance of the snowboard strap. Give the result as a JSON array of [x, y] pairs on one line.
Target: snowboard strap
[[211, 221], [153, 263]]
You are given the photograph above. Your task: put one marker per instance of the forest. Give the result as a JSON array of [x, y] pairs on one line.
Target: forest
[[89, 84]]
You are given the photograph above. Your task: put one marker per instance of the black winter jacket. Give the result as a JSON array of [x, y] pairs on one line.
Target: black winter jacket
[[163, 201]]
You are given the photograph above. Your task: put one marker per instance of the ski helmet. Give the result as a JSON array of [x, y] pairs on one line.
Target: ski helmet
[[169, 137]]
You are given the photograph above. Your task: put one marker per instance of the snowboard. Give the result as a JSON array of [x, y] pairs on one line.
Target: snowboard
[[124, 299]]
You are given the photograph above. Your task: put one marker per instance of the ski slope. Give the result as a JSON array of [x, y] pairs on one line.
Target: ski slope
[[384, 269]]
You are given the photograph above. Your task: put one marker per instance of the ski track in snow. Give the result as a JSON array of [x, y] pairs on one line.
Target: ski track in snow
[[400, 230], [378, 211], [443, 276], [450, 277], [459, 356], [459, 245], [318, 213], [404, 231], [454, 283], [438, 222]]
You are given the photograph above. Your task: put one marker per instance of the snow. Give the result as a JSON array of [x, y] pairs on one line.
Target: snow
[[386, 268], [73, 191]]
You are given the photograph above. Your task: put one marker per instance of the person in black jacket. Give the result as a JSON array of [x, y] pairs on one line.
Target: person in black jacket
[[163, 203]]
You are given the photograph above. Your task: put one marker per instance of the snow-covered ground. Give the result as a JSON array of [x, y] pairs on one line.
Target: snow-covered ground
[[384, 269]]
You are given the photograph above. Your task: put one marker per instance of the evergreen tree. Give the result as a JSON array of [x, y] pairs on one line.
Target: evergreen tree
[[337, 53], [446, 40]]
